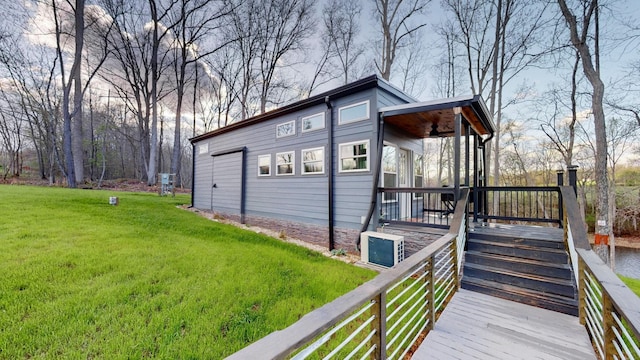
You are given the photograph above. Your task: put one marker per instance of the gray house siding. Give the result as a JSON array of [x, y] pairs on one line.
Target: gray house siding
[[300, 202], [352, 190], [298, 197]]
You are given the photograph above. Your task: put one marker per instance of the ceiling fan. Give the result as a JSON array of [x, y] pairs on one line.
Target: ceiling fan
[[434, 133]]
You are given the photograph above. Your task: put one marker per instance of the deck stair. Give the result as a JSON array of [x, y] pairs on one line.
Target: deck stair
[[526, 264]]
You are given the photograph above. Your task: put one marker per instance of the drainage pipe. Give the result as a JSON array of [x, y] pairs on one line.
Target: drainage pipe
[[376, 177], [330, 173]]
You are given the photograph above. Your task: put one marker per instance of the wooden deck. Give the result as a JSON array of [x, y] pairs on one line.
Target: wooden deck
[[478, 326]]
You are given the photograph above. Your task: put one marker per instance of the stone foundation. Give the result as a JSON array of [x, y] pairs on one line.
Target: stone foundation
[[312, 234]]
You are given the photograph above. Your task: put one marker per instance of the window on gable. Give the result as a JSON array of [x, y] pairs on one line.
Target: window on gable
[[354, 156], [285, 163], [264, 165], [352, 113], [313, 161], [313, 122], [286, 129]]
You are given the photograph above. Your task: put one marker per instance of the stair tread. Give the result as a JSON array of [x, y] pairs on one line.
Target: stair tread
[[517, 246], [538, 295], [520, 231], [541, 278], [519, 260]]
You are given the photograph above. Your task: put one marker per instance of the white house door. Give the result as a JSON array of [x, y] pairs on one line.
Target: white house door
[[404, 180]]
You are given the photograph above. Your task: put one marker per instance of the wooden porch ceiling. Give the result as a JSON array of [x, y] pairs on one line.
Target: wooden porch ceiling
[[418, 119]]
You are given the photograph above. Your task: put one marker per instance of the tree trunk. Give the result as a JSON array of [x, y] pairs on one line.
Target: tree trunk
[[153, 141], [78, 153], [602, 181]]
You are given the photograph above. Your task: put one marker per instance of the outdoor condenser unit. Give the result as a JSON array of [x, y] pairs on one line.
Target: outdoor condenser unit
[[381, 249]]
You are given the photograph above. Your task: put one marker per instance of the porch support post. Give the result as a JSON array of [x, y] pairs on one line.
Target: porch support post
[[467, 155], [457, 123]]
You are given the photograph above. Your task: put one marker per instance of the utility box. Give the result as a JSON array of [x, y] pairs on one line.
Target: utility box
[[166, 182]]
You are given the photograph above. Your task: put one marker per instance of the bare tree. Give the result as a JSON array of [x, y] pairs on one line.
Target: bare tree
[[286, 24], [397, 20], [137, 69], [68, 83], [580, 36], [341, 23], [498, 40], [560, 132], [192, 21]]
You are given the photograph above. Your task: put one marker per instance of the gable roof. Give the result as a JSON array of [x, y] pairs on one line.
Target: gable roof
[[366, 83]]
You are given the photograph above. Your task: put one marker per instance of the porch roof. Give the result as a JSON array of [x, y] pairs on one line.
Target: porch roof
[[427, 118]]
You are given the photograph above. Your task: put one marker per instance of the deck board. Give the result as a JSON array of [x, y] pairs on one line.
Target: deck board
[[478, 326], [527, 231]]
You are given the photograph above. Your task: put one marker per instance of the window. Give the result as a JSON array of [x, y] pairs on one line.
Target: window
[[418, 173], [285, 163], [352, 113], [286, 129], [354, 156], [313, 122], [313, 161], [264, 165], [389, 171], [203, 149]]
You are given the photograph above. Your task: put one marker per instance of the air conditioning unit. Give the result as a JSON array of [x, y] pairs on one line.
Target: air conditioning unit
[[381, 249]]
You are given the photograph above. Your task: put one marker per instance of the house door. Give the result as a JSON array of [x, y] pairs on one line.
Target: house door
[[226, 186], [404, 180]]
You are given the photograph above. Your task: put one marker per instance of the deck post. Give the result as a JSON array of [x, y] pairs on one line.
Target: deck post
[[380, 325], [607, 326], [582, 292], [457, 126], [430, 267], [560, 174], [573, 178], [456, 275]]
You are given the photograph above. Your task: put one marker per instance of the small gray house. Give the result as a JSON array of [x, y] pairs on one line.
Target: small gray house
[[318, 169]]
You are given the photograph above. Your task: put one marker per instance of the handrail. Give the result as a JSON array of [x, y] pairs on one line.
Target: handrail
[[534, 204], [417, 206], [373, 293], [608, 309]]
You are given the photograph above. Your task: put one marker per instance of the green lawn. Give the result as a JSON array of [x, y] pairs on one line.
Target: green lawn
[[633, 284], [83, 279]]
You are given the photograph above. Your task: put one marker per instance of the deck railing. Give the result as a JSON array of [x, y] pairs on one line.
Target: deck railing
[[417, 206], [381, 319], [609, 310], [518, 204]]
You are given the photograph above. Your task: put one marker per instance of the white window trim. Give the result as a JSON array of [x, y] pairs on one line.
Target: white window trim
[[302, 169], [264, 156], [341, 122], [293, 163], [284, 123], [368, 156], [311, 116]]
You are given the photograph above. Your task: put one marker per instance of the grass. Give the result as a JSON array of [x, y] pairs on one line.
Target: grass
[[633, 284], [83, 279]]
